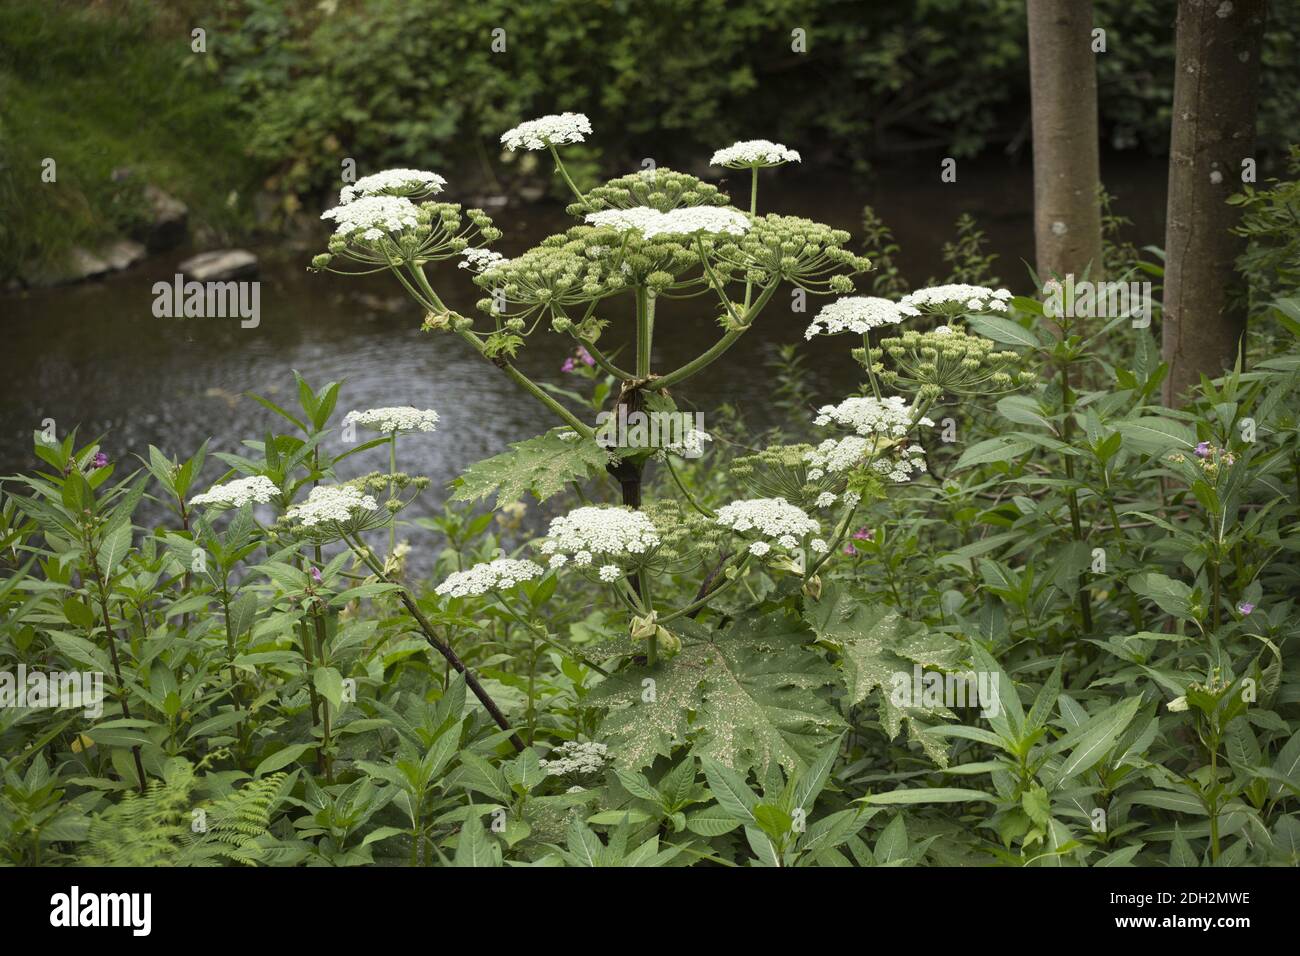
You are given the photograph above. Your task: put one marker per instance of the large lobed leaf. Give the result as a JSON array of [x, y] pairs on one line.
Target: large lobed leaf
[[875, 643], [751, 696], [541, 466]]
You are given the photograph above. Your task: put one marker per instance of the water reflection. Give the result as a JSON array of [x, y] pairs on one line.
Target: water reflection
[[95, 356]]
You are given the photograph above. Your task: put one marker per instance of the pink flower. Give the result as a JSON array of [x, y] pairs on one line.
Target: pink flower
[[315, 575], [1245, 607], [568, 365], [849, 549], [585, 357], [864, 534], [99, 460]]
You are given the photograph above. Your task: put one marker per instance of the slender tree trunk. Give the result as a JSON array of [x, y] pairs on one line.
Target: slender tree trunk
[[1216, 91], [1063, 89]]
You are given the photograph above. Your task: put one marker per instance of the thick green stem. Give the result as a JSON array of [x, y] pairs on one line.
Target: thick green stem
[[604, 361], [565, 173], [645, 321]]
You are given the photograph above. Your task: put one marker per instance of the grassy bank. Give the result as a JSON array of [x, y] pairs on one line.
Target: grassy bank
[[99, 88]]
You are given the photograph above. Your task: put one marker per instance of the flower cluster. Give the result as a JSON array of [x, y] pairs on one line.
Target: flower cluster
[[685, 536], [564, 270], [411, 183], [957, 298], [859, 314], [403, 418], [572, 757], [836, 455], [555, 129], [660, 188], [332, 505], [373, 217], [950, 360], [889, 417], [386, 231], [685, 221], [1209, 457], [237, 493], [782, 471], [901, 463], [774, 519], [480, 260], [607, 531], [690, 444], [754, 153], [498, 575], [791, 249]]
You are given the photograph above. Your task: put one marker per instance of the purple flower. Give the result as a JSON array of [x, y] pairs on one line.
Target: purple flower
[[864, 534], [99, 460], [585, 357], [315, 575], [1245, 607], [1203, 450], [849, 549], [568, 366]]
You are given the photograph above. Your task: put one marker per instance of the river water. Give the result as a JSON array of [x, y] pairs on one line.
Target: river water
[[94, 355]]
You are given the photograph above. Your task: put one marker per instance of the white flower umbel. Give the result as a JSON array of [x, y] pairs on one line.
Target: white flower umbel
[[858, 314], [403, 418], [953, 299], [411, 183], [685, 221], [716, 220], [754, 152], [640, 218], [572, 757], [774, 520], [478, 259], [901, 464], [332, 504], [598, 529], [836, 455], [865, 415], [690, 446], [555, 129], [237, 493], [499, 575], [372, 217]]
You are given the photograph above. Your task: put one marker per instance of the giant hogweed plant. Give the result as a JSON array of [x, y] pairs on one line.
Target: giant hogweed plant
[[738, 680]]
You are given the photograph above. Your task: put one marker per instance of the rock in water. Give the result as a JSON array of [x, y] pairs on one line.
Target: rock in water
[[169, 220], [122, 253], [220, 266]]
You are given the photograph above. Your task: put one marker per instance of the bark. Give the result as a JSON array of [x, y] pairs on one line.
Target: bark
[[1216, 91], [1063, 91]]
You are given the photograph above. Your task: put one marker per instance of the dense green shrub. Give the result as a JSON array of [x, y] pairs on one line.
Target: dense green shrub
[[405, 80], [99, 89]]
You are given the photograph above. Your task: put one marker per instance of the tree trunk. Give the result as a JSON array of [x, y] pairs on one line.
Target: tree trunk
[[1216, 90], [1063, 91]]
